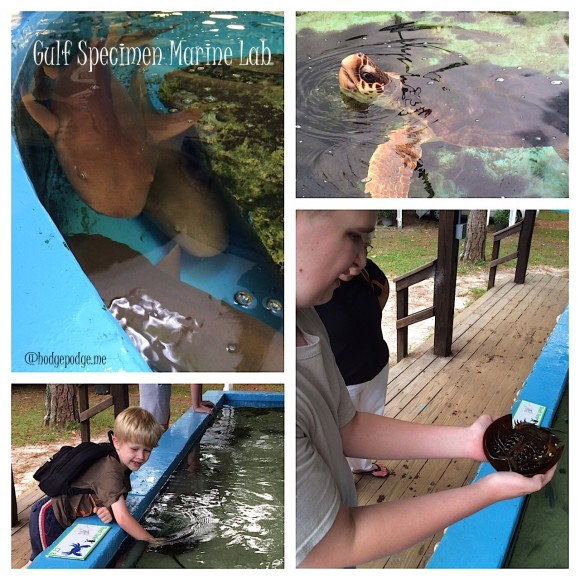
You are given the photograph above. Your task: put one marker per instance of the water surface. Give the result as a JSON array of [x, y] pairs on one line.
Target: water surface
[[230, 492], [542, 539]]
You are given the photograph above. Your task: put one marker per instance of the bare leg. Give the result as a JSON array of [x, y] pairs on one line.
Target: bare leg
[[197, 404]]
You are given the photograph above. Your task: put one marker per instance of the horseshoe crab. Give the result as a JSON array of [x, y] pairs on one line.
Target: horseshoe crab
[[524, 447], [468, 105]]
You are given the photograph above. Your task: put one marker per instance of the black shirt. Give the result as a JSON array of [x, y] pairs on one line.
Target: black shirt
[[353, 321]]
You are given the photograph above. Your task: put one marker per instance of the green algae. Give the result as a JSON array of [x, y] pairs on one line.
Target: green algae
[[328, 22], [530, 39], [241, 137], [527, 39], [486, 172]]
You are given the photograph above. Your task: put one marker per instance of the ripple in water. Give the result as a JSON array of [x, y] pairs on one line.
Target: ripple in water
[[157, 332]]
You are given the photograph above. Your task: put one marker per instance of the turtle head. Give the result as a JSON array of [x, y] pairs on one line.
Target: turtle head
[[361, 79]]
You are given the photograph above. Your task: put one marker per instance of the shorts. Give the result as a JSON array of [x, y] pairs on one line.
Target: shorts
[[156, 399], [43, 526]]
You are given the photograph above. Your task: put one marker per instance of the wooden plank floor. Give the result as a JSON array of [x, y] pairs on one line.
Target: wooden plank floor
[[496, 343], [20, 536]]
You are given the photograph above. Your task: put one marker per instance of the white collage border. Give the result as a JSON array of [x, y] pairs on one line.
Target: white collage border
[[289, 8]]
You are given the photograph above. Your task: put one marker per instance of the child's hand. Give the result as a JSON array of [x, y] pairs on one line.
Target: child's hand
[[103, 514], [157, 541]]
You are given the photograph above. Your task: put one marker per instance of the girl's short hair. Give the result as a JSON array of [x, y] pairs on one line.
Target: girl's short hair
[[137, 425]]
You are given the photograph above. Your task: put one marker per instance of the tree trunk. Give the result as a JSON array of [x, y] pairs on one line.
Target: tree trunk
[[474, 246], [62, 406]]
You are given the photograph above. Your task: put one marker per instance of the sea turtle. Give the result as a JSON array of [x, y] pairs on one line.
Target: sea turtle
[[475, 105]]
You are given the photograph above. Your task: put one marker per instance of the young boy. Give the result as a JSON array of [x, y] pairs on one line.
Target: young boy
[[331, 531], [136, 433]]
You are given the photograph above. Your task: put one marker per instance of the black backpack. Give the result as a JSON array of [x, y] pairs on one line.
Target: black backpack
[[55, 477]]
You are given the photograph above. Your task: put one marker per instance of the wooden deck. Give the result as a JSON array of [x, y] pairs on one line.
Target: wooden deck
[[20, 536], [496, 342]]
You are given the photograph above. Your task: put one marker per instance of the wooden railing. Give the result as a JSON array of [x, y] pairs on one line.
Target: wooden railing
[[444, 270], [525, 230], [119, 399], [404, 319]]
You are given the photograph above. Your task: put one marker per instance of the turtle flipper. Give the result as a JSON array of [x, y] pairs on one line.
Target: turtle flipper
[[392, 163]]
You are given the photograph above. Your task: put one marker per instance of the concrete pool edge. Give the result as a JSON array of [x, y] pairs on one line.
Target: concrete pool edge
[[173, 447], [483, 539]]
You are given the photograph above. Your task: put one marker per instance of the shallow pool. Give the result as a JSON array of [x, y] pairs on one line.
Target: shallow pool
[[492, 88], [102, 130], [228, 494]]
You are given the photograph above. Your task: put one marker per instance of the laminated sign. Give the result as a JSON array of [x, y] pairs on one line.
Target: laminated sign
[[79, 542]]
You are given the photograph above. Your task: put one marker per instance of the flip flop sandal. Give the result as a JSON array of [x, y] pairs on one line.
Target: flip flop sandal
[[376, 471]]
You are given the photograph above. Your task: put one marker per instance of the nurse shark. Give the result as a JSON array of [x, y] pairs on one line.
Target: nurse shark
[[118, 156], [99, 138], [181, 203]]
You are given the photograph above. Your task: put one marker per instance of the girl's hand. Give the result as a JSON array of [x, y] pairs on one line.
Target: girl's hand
[[476, 432], [509, 485]]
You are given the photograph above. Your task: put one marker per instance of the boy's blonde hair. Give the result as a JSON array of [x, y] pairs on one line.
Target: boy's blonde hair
[[136, 425]]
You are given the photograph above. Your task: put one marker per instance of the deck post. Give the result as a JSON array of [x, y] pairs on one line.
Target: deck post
[[83, 391], [524, 245], [14, 503], [120, 395], [402, 333], [445, 281]]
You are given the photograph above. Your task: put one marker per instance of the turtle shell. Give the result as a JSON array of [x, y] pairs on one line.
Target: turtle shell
[[524, 448], [484, 105]]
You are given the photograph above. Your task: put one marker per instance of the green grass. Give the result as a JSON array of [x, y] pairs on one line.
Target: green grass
[[28, 412], [398, 251]]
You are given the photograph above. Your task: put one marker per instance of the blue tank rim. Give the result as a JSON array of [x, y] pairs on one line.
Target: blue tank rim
[[173, 447], [42, 326]]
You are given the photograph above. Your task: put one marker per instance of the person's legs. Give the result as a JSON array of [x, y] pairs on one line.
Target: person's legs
[[369, 397], [44, 528], [372, 398], [156, 399]]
